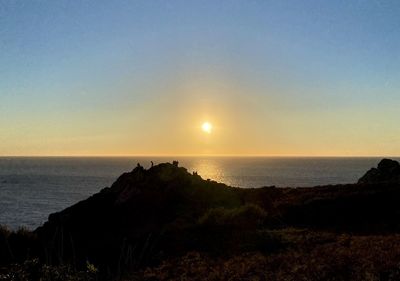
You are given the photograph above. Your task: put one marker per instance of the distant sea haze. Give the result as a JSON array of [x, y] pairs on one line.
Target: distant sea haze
[[32, 188]]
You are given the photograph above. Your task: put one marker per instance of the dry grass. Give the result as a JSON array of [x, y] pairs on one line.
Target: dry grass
[[314, 256]]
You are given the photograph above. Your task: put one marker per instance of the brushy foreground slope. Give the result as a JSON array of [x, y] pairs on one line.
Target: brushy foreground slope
[[164, 223]]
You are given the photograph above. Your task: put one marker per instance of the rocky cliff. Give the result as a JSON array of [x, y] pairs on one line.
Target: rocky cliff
[[388, 171], [150, 215]]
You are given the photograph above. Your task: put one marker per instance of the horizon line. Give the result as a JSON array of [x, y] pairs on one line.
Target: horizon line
[[197, 155]]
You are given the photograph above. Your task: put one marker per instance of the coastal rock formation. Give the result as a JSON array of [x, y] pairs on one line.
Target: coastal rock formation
[[137, 217], [152, 215], [388, 171]]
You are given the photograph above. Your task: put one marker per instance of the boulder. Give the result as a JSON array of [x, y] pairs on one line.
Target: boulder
[[388, 171]]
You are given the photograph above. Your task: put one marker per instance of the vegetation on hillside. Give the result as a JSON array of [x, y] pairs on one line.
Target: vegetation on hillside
[[166, 224]]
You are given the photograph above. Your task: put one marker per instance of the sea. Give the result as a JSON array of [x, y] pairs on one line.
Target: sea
[[31, 188]]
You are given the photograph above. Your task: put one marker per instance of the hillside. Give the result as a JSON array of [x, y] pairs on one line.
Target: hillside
[[162, 222]]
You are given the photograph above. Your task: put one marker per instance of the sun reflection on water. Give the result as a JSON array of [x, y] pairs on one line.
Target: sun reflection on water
[[209, 169]]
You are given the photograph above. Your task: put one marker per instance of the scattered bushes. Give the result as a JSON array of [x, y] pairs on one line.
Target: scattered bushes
[[33, 270], [222, 231], [315, 256], [15, 246], [248, 216]]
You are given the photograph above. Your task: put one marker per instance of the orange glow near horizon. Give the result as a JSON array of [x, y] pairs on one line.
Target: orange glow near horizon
[[203, 115], [200, 78]]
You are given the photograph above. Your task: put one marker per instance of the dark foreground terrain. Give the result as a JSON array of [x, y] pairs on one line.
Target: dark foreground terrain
[[166, 224]]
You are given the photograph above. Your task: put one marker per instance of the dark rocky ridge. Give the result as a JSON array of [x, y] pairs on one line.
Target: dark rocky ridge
[[388, 171], [130, 219], [150, 215]]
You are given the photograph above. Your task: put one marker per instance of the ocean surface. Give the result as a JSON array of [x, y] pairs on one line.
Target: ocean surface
[[32, 188]]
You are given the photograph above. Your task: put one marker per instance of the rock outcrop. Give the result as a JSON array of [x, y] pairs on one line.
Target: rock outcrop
[[388, 171], [149, 215], [134, 218]]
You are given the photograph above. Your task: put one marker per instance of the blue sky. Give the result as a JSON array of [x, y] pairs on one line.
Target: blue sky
[[138, 77]]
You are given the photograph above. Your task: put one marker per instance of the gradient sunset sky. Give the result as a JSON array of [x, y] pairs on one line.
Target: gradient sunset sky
[[140, 77]]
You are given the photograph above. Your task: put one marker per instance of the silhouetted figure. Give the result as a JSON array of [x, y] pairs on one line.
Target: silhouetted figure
[[152, 164], [175, 163]]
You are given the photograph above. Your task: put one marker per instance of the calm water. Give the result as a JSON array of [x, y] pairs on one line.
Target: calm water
[[32, 188]]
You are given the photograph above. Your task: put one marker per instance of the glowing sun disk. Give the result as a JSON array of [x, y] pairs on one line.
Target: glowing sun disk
[[206, 127]]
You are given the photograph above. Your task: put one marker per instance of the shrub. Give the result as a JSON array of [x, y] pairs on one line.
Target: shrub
[[248, 216], [33, 270]]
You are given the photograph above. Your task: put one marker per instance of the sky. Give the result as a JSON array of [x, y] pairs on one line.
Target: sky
[[279, 78]]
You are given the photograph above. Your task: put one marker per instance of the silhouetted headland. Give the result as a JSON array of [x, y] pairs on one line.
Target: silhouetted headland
[[388, 171], [162, 223]]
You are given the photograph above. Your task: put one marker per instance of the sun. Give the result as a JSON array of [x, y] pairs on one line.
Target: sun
[[206, 127]]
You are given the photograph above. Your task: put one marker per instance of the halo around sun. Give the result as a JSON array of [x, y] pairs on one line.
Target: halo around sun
[[207, 127]]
